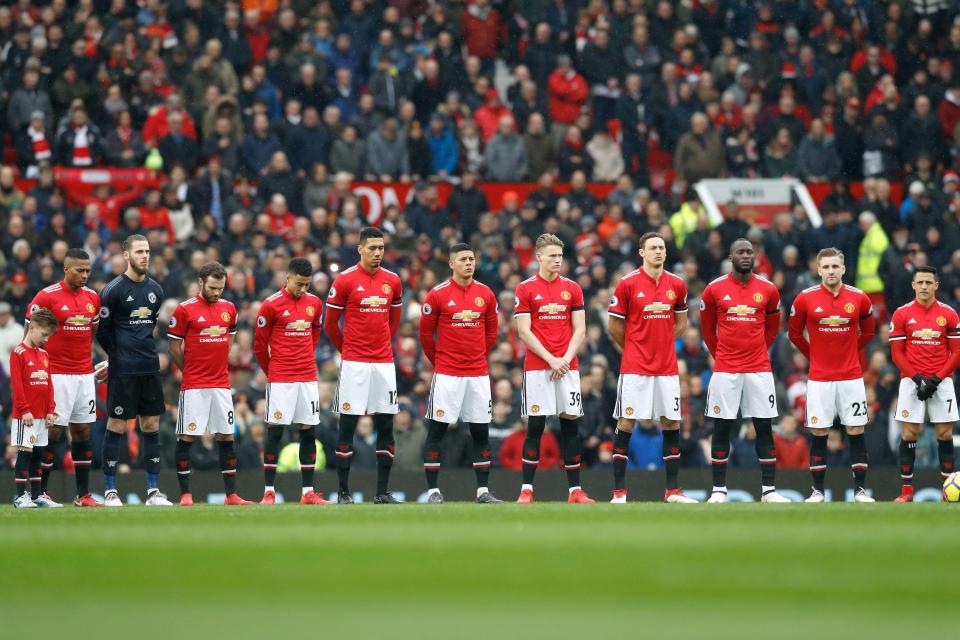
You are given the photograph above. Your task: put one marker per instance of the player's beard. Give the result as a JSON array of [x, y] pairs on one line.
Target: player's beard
[[739, 268], [140, 271]]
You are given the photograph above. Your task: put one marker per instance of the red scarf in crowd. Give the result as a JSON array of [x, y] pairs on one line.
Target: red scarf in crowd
[[81, 147], [41, 147]]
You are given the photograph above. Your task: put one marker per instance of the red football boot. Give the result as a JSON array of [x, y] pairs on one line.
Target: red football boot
[[677, 496], [580, 496], [186, 500], [234, 499], [906, 494], [269, 497], [313, 497], [526, 497], [86, 501]]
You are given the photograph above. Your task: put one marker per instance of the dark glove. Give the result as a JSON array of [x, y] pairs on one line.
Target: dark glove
[[928, 387], [918, 380]]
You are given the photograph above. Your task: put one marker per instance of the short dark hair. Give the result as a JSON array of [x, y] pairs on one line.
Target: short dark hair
[[131, 239], [460, 246], [44, 319], [649, 235], [213, 270], [931, 270], [300, 267], [369, 232], [78, 254]]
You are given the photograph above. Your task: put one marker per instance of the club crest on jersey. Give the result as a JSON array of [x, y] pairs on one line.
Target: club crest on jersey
[[225, 316], [152, 297], [277, 415], [905, 413], [941, 321], [45, 362], [716, 409], [311, 311], [140, 312], [814, 420], [386, 289], [192, 426], [478, 301], [671, 295], [90, 308], [440, 413], [535, 408], [118, 411], [427, 309], [849, 307], [565, 295], [33, 439], [346, 406], [629, 411], [758, 298]]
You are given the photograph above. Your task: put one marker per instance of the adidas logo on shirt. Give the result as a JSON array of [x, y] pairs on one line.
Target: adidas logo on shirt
[[129, 298], [912, 321], [201, 319], [727, 297], [818, 310], [539, 297], [285, 313], [641, 295], [451, 304], [360, 288], [64, 308]]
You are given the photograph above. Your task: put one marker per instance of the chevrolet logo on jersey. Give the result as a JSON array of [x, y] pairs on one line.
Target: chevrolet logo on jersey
[[213, 331], [77, 320], [141, 312], [834, 321], [466, 315], [38, 375], [373, 301], [926, 334], [298, 325], [553, 308], [657, 307], [741, 310]]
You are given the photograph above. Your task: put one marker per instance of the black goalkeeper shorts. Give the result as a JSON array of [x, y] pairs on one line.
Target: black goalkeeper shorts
[[132, 396]]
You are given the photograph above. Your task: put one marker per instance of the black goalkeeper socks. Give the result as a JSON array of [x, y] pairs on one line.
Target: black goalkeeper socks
[[531, 447], [36, 459], [621, 449], [22, 471], [908, 455], [858, 460], [671, 456], [308, 456], [46, 467], [182, 455], [818, 461], [82, 459]]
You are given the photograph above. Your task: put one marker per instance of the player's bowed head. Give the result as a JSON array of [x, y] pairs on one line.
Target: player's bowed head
[[213, 279], [299, 276], [76, 269]]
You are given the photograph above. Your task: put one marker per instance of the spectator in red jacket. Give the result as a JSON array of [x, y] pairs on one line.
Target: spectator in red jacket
[[153, 215], [157, 127], [792, 449], [488, 116], [511, 452], [482, 32], [949, 112], [281, 219], [568, 92]]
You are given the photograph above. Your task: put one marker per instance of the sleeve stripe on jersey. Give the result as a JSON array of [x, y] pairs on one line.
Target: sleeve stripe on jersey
[[335, 306], [616, 315], [892, 338], [521, 313], [866, 315], [397, 304], [578, 308], [773, 311], [174, 336]]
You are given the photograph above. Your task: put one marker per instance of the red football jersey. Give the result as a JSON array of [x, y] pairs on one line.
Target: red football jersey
[[465, 320], [648, 307], [205, 329], [366, 301], [838, 326], [925, 332], [30, 377], [288, 330], [740, 322], [550, 306], [78, 315]]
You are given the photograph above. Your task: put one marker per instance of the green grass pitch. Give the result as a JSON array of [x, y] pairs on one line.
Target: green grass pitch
[[481, 571]]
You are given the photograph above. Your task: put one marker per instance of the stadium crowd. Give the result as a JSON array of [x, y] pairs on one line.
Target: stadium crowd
[[258, 115]]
